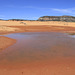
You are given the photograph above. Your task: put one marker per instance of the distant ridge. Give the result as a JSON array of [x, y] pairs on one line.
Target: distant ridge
[[19, 20], [57, 18], [48, 18], [16, 20], [0, 19]]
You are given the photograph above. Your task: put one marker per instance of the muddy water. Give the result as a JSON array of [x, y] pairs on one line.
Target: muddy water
[[37, 47]]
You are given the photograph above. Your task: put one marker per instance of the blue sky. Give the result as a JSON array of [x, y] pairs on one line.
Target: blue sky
[[33, 9]]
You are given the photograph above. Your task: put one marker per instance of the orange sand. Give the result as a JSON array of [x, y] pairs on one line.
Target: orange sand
[[6, 42], [36, 26], [58, 66]]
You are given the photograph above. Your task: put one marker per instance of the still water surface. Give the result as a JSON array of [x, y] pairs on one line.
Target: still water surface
[[39, 46]]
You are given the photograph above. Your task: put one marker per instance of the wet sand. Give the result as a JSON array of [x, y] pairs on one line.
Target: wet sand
[[20, 29], [53, 67], [45, 28], [42, 50], [45, 53], [6, 42], [7, 27]]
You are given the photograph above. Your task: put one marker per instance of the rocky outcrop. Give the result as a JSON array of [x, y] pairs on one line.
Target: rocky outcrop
[[57, 18]]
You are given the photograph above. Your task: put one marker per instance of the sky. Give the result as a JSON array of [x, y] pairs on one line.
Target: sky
[[33, 9]]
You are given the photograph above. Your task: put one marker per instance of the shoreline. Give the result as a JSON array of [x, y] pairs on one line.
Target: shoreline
[[52, 66], [7, 27], [6, 42], [21, 29]]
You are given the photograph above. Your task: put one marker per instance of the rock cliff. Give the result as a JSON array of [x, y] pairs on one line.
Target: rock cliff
[[57, 18]]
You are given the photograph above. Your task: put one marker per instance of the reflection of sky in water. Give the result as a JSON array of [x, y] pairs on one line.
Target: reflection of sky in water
[[18, 35], [26, 35], [38, 46], [73, 36]]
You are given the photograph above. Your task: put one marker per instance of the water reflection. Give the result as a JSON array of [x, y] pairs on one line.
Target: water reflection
[[73, 36], [31, 47]]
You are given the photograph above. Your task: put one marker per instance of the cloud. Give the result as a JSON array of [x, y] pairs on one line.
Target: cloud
[[32, 7], [66, 11], [70, 11], [62, 10]]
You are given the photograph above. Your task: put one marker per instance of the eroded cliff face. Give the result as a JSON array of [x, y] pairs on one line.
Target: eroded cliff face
[[57, 18]]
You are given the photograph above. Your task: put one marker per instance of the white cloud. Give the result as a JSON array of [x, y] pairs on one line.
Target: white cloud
[[62, 10], [33, 7], [70, 11], [66, 11]]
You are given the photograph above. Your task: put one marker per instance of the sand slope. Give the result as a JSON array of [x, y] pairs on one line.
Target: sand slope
[[6, 42]]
